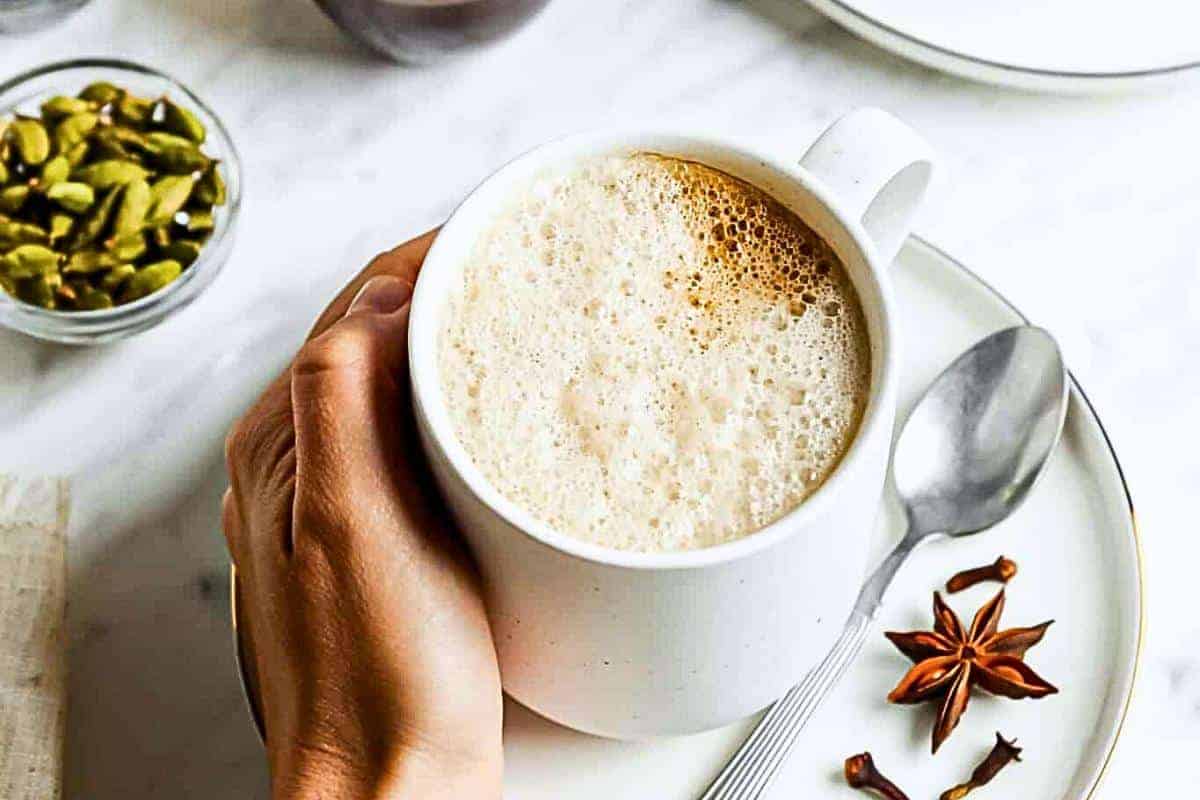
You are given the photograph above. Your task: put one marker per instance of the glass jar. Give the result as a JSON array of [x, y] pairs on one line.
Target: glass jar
[[25, 93]]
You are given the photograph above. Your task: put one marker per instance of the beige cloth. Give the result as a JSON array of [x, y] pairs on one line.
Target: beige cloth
[[33, 670]]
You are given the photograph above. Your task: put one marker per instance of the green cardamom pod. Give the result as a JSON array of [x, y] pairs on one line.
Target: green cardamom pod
[[92, 299], [109, 173], [74, 197], [77, 154], [74, 129], [115, 278], [159, 139], [136, 199], [91, 227], [60, 226], [56, 170], [185, 251], [63, 106], [116, 142], [180, 120], [210, 189], [29, 260], [173, 153], [13, 233], [150, 279], [105, 147], [169, 194], [3, 173], [12, 198], [31, 140], [101, 93], [127, 136], [200, 221], [84, 262], [129, 248], [8, 284], [133, 110]]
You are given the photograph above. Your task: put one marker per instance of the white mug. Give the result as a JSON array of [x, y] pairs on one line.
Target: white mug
[[630, 644]]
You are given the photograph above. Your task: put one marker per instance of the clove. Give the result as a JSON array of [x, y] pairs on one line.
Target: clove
[[1003, 753], [1001, 571], [862, 774]]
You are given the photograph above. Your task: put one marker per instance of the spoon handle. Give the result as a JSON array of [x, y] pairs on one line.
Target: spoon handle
[[761, 755], [870, 597]]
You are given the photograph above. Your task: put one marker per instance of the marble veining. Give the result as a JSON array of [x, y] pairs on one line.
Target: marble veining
[[1081, 209]]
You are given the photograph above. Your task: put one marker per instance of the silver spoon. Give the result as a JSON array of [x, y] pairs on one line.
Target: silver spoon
[[971, 450]]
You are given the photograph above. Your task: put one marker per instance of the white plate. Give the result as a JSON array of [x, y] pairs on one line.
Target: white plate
[[1077, 548], [1069, 45]]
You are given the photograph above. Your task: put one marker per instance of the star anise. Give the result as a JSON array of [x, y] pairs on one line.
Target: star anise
[[950, 660]]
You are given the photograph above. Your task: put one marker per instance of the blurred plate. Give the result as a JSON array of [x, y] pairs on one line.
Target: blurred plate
[[1076, 543], [1058, 45]]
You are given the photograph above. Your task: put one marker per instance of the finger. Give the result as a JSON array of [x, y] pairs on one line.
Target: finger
[[260, 460], [346, 396], [403, 262], [253, 440]]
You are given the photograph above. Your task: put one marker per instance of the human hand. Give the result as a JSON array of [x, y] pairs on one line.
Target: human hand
[[360, 607]]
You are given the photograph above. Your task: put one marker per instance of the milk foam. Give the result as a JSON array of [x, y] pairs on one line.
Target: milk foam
[[649, 354]]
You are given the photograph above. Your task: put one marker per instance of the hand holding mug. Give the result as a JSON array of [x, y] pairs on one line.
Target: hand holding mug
[[361, 609]]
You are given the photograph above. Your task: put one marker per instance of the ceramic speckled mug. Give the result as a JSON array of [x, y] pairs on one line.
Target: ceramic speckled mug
[[630, 644]]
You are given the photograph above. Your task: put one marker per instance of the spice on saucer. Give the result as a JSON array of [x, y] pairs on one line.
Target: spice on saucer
[[861, 773], [1003, 753], [105, 198], [949, 660], [1001, 570]]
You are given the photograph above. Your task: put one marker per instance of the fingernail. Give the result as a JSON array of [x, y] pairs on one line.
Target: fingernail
[[381, 295]]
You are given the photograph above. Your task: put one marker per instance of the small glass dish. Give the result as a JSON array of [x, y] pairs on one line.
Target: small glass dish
[[25, 93]]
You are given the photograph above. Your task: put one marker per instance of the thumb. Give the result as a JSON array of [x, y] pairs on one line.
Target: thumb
[[347, 387]]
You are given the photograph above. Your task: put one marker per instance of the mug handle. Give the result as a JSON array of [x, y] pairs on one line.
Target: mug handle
[[878, 169]]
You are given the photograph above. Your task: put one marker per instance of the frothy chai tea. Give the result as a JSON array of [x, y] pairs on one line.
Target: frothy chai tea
[[649, 354]]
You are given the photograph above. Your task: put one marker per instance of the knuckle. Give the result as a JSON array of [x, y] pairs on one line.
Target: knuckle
[[259, 442], [345, 348], [260, 425]]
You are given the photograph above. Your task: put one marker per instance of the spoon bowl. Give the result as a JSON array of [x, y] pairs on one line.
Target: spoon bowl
[[979, 439]]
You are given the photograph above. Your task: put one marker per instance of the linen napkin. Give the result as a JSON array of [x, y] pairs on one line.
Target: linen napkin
[[33, 671]]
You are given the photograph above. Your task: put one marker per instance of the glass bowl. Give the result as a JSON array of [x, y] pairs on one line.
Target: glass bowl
[[24, 93]]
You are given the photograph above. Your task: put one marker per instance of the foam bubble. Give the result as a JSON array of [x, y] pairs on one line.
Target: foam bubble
[[650, 354]]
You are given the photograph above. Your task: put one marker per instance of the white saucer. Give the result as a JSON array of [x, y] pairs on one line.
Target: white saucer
[[1077, 549], [1065, 45], [1076, 545]]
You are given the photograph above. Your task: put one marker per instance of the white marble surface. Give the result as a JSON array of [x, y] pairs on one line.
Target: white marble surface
[[1082, 210]]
